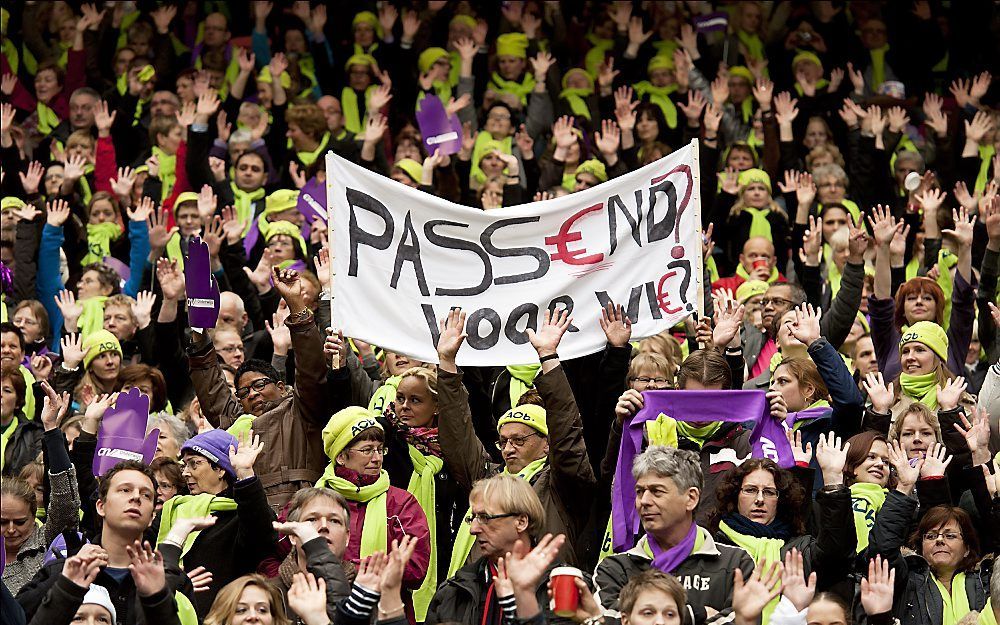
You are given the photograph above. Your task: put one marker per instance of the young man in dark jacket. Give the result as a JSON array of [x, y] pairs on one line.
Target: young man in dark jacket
[[127, 497], [668, 490]]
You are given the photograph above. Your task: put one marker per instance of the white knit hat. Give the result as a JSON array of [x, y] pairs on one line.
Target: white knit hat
[[99, 595]]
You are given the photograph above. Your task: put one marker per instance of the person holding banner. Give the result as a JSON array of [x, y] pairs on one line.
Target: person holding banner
[[220, 477], [668, 490], [559, 471]]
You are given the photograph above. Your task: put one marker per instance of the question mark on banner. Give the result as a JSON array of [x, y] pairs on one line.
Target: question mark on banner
[[685, 282], [678, 250]]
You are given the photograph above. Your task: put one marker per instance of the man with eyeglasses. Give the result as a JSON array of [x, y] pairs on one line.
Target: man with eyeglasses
[[560, 472], [290, 421], [668, 485], [503, 510]]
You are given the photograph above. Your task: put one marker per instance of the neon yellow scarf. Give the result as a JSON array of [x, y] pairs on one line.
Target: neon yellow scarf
[[955, 604], [522, 379], [576, 97], [174, 252], [349, 104], [422, 487], [866, 501], [878, 66], [243, 202], [374, 532], [660, 96], [190, 507], [833, 275], [384, 394], [946, 260], [464, 540], [698, 435], [4, 437], [99, 238], [755, 47], [987, 616], [521, 89], [820, 84], [595, 56], [759, 225], [922, 388], [986, 153], [484, 140], [762, 550], [742, 272], [29, 395], [47, 118], [308, 158], [168, 171], [569, 180], [92, 318]]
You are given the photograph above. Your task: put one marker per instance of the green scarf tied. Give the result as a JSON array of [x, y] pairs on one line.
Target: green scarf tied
[[243, 202], [946, 261], [349, 104], [4, 437], [576, 97], [986, 153], [485, 142], [374, 532], [92, 318], [520, 89], [99, 239], [168, 171], [762, 550], [819, 403], [29, 380], [465, 540], [955, 604], [47, 118], [922, 388], [385, 394], [878, 66], [660, 96], [755, 47], [698, 435], [174, 251], [522, 379], [594, 58], [759, 225], [866, 501], [308, 158], [833, 275], [190, 507], [423, 489], [743, 273], [987, 616]]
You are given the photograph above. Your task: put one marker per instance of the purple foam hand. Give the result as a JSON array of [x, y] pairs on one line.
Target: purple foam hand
[[122, 435], [440, 132], [202, 288]]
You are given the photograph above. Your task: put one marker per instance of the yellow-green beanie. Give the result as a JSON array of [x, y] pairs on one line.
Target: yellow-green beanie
[[465, 20], [750, 288], [187, 196], [742, 72], [281, 201], [287, 228], [513, 44], [96, 343], [367, 17], [344, 427], [411, 168], [755, 175], [360, 59], [429, 57], [10, 202], [593, 167], [660, 61], [806, 56], [930, 334], [529, 414], [580, 71]]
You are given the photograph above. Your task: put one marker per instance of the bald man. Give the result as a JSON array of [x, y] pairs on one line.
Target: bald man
[[757, 262]]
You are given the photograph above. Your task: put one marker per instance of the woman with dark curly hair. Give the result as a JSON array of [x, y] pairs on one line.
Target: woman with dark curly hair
[[763, 509]]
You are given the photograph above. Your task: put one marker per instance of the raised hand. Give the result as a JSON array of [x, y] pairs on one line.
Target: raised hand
[[54, 406], [980, 85], [785, 108], [750, 596], [104, 119], [281, 336], [307, 598], [934, 117], [730, 181], [720, 89], [898, 118], [976, 434], [369, 572], [232, 227], [57, 212], [290, 287], [525, 566], [763, 92], [41, 367], [142, 211], [800, 453], [540, 65], [831, 456], [70, 308], [143, 308], [83, 568], [625, 108], [608, 140], [713, 118], [207, 203], [391, 579], [607, 73], [201, 579], [562, 132], [877, 588], [525, 143], [245, 454], [146, 567], [794, 585], [451, 338], [123, 184], [906, 474], [936, 461], [546, 339], [185, 115], [72, 350], [616, 325], [247, 60], [965, 223], [878, 392], [212, 235], [260, 276], [171, 279], [696, 103], [728, 321], [883, 225], [806, 326], [949, 395]]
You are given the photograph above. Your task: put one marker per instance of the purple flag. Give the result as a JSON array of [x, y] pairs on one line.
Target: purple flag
[[122, 435], [712, 22], [440, 132], [312, 204], [123, 270], [202, 287]]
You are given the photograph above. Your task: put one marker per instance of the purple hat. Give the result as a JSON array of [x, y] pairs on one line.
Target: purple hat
[[213, 445], [58, 549]]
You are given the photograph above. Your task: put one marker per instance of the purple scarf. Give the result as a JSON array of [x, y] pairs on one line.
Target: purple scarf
[[670, 559], [767, 440]]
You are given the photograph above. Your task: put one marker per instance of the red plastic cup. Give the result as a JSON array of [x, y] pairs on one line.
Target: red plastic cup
[[760, 263], [565, 595]]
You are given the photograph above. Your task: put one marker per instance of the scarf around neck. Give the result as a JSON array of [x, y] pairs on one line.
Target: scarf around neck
[[190, 507], [667, 560], [866, 500], [423, 487], [922, 388], [99, 239], [384, 395], [759, 225], [352, 111], [521, 88], [762, 549], [464, 540], [576, 97], [955, 604], [168, 171], [987, 616], [244, 204], [374, 532], [92, 318], [660, 96], [522, 379]]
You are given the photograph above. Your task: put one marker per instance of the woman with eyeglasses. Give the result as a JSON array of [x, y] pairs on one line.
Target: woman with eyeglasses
[[355, 443], [224, 524], [764, 509]]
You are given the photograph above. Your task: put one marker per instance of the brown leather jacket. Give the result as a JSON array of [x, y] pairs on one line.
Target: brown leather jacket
[[290, 428], [566, 486]]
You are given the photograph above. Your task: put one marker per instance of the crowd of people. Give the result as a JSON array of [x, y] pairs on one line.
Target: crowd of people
[[849, 174]]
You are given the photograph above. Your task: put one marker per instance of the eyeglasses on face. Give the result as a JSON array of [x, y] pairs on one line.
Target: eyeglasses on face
[[753, 491], [775, 301], [484, 519], [643, 380], [193, 464], [370, 451], [517, 441], [258, 385], [949, 536]]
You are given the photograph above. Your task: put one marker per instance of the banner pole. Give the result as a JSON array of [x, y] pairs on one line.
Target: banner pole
[[335, 361]]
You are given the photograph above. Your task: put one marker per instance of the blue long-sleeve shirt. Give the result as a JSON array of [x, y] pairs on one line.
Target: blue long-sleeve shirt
[[48, 282]]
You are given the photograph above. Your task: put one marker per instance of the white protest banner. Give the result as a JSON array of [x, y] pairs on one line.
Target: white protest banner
[[403, 258]]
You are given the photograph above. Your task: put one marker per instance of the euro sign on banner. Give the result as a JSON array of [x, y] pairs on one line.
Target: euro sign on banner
[[403, 258]]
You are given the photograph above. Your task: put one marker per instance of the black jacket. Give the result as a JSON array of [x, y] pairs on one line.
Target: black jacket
[[24, 445], [64, 599], [235, 545]]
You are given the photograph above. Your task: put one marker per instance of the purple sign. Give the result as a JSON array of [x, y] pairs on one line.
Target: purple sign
[[123, 270], [312, 204], [123, 433], [202, 287], [712, 22], [440, 131]]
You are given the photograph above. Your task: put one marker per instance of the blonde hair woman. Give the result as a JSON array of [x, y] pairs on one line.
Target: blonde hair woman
[[244, 596]]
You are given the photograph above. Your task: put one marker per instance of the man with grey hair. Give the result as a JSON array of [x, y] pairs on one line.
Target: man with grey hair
[[667, 493]]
